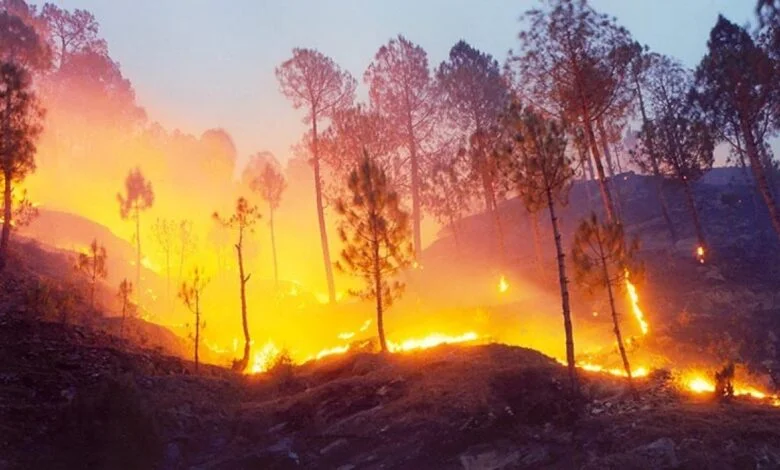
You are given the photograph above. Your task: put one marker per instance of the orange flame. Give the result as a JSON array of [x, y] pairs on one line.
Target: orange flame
[[633, 295], [430, 341], [503, 286]]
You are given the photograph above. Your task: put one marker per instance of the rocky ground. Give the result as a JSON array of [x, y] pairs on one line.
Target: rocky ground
[[71, 398]]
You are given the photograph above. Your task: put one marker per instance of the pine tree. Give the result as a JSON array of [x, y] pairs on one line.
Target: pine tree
[[602, 259], [376, 236], [124, 294], [190, 294], [138, 197], [541, 172], [270, 184], [93, 265]]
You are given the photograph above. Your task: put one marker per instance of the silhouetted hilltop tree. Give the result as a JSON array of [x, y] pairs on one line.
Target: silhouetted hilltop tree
[[190, 294], [270, 184]]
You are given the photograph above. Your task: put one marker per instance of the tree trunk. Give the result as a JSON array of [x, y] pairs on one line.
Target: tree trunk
[[616, 323], [758, 175], [605, 145], [197, 327], [138, 256], [122, 321], [244, 323], [659, 191], [416, 214], [694, 214], [7, 213], [380, 321], [537, 240], [321, 212], [492, 208], [603, 182], [92, 287], [567, 326], [273, 248]]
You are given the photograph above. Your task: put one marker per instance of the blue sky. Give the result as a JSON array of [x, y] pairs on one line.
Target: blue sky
[[198, 64]]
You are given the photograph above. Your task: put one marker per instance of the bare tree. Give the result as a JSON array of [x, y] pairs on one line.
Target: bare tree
[[541, 173], [138, 197], [243, 220], [314, 82], [602, 259], [375, 232], [93, 265], [164, 231], [190, 294], [270, 184]]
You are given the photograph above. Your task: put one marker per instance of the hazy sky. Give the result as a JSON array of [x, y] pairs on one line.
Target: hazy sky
[[198, 64]]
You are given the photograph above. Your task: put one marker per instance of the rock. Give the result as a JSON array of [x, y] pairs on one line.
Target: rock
[[660, 453], [493, 459]]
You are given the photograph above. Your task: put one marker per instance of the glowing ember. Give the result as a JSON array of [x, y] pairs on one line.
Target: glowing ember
[[700, 254], [331, 352], [430, 341], [634, 296], [264, 358], [503, 286]]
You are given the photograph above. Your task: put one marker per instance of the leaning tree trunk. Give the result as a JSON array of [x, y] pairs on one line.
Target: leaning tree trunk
[[197, 327], [273, 248], [321, 213], [567, 326], [492, 208], [758, 174], [606, 197], [241, 365], [6, 234], [695, 215], [616, 325], [534, 216]]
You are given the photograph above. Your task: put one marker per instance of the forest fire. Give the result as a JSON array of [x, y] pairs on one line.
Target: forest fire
[[700, 254], [637, 311]]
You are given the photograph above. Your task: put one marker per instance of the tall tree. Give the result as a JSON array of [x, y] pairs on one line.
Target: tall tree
[[573, 63], [643, 67], [72, 33], [375, 232], [243, 220], [400, 88], [314, 82], [542, 173], [20, 43], [737, 86], [447, 193], [602, 259], [475, 94], [678, 133], [124, 294], [186, 243], [20, 126], [93, 265], [190, 294], [270, 184], [164, 231], [138, 197]]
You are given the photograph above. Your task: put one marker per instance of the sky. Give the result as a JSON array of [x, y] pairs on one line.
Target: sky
[[200, 64]]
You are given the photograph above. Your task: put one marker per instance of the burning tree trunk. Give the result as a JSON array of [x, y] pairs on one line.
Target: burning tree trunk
[[321, 213], [695, 215], [616, 325], [243, 280]]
